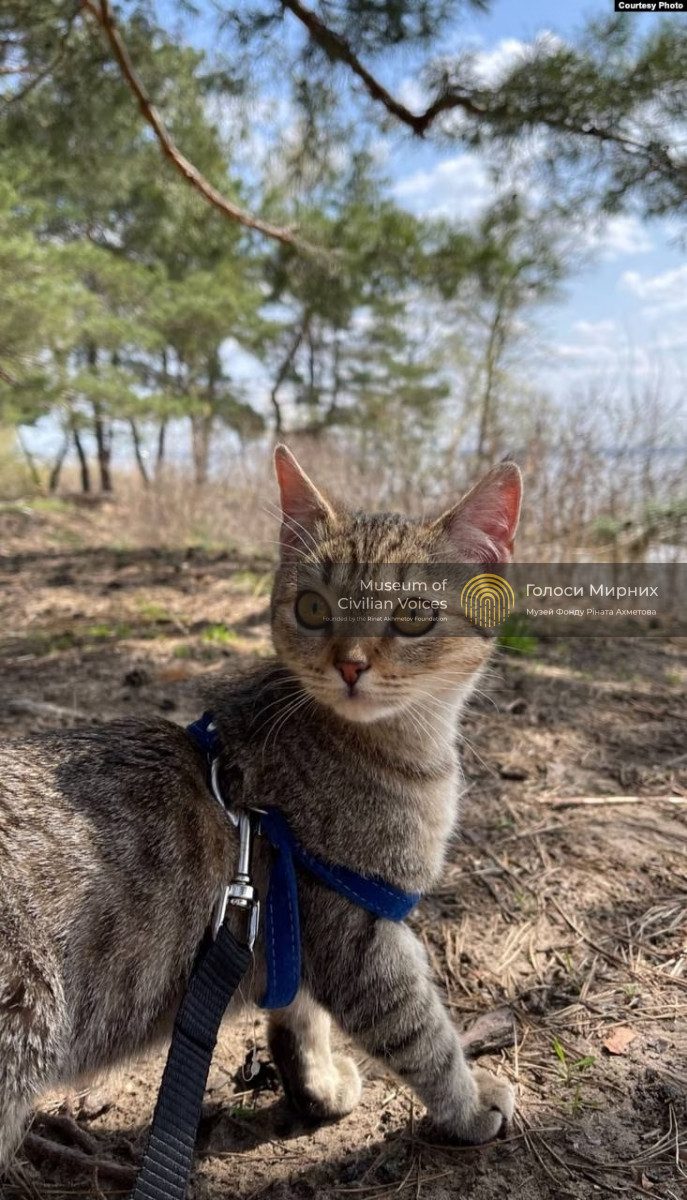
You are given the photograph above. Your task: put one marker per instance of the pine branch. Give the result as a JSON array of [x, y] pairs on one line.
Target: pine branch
[[100, 10], [339, 50], [49, 68]]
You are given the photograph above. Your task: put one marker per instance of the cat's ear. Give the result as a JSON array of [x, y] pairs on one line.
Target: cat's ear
[[481, 528], [302, 505]]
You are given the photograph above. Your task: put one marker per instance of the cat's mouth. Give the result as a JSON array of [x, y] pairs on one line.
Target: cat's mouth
[[358, 702], [362, 707]]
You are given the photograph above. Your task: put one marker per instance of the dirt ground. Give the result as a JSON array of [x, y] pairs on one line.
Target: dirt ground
[[572, 916]]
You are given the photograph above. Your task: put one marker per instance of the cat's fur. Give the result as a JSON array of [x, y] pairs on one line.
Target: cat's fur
[[112, 851]]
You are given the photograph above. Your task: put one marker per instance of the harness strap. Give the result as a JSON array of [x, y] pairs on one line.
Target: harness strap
[[217, 973], [282, 938]]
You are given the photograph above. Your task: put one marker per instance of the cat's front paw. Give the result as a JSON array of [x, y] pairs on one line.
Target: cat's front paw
[[328, 1094], [492, 1107]]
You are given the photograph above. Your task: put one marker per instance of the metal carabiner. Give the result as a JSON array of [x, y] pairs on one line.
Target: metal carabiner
[[240, 893], [217, 792]]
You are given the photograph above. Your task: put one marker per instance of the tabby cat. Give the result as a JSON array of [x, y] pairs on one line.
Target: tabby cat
[[112, 850]]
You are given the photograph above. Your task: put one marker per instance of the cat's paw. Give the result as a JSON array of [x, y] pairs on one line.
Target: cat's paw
[[329, 1094], [492, 1108]]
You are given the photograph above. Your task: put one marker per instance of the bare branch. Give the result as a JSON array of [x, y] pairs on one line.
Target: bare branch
[[43, 1150], [101, 11], [491, 1031]]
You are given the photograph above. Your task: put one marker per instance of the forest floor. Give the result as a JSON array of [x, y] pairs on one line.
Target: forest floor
[[572, 916]]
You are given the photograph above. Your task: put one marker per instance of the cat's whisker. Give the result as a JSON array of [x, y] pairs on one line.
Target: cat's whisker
[[302, 706], [282, 717], [287, 704], [258, 542], [466, 741], [451, 706], [295, 527], [425, 730], [277, 542], [414, 708], [289, 524], [289, 518], [291, 695]]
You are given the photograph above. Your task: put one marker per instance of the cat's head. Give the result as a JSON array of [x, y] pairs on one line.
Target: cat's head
[[399, 666]]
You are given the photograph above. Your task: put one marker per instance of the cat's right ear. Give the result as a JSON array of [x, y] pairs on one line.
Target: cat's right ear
[[302, 505], [482, 526]]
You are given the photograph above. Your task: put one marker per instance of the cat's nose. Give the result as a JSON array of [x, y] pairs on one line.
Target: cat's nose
[[350, 671]]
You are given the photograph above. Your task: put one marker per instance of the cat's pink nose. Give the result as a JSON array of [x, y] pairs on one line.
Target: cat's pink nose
[[350, 671]]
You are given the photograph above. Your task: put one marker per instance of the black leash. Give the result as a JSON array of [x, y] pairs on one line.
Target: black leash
[[221, 963], [218, 971]]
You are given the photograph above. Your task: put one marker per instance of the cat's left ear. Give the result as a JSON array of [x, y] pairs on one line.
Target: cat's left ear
[[482, 526], [302, 505]]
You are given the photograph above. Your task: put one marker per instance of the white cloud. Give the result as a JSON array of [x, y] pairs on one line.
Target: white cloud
[[619, 235], [662, 293], [456, 187], [412, 94], [491, 65], [599, 331], [588, 352]]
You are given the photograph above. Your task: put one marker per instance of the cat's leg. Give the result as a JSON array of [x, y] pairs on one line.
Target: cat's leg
[[379, 988], [32, 1024], [13, 1123], [319, 1084]]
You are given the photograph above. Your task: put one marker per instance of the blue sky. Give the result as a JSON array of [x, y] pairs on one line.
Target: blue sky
[[621, 320]]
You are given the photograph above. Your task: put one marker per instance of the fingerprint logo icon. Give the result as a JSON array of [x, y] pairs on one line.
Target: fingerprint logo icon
[[487, 600]]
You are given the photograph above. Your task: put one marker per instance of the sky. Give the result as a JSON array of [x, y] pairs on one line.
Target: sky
[[621, 320]]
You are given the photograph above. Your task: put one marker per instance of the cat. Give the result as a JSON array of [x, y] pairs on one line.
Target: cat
[[113, 851]]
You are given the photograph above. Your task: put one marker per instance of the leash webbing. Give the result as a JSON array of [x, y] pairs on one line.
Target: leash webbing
[[217, 973]]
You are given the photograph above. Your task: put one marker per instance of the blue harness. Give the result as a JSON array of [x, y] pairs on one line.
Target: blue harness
[[282, 937]]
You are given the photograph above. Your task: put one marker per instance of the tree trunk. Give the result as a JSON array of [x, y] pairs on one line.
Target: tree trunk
[[201, 436], [140, 461], [284, 369], [161, 447], [56, 470], [103, 441], [493, 353], [202, 426], [101, 427], [30, 462], [83, 462], [162, 428]]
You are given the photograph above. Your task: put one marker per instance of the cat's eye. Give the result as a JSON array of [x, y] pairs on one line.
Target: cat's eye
[[413, 619], [312, 611]]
